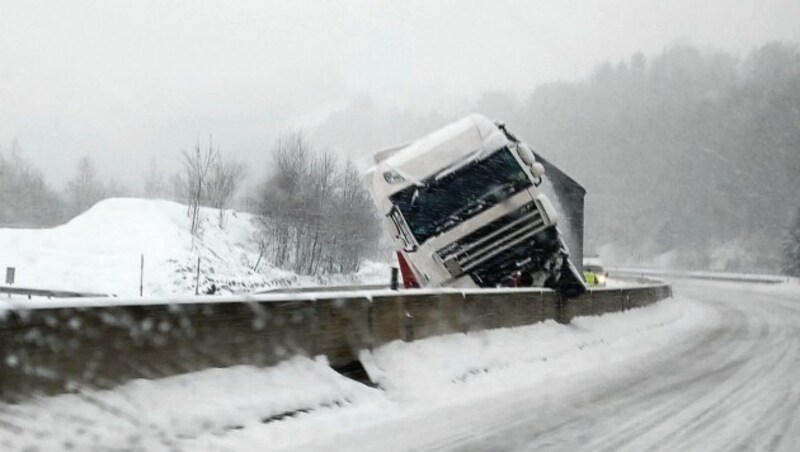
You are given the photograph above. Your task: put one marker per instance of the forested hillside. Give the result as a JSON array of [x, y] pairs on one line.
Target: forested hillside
[[691, 150]]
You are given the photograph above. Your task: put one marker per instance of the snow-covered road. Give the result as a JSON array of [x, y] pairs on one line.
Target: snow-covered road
[[723, 375], [715, 368], [734, 386]]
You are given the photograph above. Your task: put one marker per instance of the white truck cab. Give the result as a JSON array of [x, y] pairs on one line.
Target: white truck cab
[[463, 210]]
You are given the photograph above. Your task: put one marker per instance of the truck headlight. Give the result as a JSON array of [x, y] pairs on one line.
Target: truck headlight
[[393, 177]]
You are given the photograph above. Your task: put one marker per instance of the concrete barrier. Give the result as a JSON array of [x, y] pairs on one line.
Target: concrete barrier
[[606, 300], [51, 350], [509, 309], [341, 327]]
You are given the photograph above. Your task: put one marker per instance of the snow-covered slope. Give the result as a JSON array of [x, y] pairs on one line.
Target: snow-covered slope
[[100, 251]]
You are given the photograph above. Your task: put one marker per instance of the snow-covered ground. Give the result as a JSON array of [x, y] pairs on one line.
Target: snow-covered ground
[[100, 250], [712, 369], [302, 404]]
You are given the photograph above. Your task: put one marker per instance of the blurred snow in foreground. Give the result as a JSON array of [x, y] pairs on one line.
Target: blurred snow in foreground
[[303, 404]]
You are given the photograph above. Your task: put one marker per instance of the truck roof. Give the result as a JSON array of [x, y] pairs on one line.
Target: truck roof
[[442, 148]]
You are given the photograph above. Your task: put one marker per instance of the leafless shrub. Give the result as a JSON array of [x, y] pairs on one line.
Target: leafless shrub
[[85, 188], [197, 166], [223, 183], [315, 216]]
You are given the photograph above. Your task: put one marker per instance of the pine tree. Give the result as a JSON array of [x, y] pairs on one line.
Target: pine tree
[[791, 248]]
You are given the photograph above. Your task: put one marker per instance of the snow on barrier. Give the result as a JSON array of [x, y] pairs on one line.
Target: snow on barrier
[[56, 347], [47, 293], [706, 275]]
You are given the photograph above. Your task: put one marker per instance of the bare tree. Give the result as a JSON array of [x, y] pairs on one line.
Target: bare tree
[[178, 191], [791, 247], [85, 188], [316, 217], [280, 197], [357, 221], [154, 184], [223, 182], [197, 166]]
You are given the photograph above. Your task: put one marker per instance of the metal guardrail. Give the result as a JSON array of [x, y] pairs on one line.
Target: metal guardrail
[[282, 290], [47, 293], [703, 275], [62, 346]]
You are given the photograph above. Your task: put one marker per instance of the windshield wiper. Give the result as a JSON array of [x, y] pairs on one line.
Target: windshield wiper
[[508, 187], [474, 206], [451, 221]]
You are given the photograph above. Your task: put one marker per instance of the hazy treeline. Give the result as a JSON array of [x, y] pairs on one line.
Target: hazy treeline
[[695, 151], [791, 247], [27, 200], [315, 215], [25, 197]]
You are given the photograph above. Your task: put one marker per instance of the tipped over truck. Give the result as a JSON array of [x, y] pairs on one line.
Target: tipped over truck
[[464, 209]]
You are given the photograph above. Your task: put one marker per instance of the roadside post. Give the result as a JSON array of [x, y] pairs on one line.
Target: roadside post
[[197, 278], [395, 278], [10, 277], [141, 276]]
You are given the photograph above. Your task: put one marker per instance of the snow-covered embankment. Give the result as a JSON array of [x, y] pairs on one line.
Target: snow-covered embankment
[[100, 250]]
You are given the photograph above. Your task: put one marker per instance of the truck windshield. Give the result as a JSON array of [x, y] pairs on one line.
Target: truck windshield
[[438, 205]]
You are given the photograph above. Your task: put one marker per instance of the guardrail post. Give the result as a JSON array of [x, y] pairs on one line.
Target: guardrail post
[[464, 319], [395, 279], [560, 309], [409, 327], [370, 325], [197, 278], [141, 276]]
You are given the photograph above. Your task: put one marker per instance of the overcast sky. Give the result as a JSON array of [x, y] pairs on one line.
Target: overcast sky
[[126, 81]]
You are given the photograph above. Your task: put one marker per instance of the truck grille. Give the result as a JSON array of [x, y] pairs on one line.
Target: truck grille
[[492, 240]]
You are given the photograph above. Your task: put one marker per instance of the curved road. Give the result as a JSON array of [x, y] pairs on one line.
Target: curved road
[[729, 379], [733, 386]]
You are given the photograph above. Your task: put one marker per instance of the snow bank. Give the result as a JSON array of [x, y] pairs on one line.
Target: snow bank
[[156, 415], [450, 365], [307, 406], [100, 250]]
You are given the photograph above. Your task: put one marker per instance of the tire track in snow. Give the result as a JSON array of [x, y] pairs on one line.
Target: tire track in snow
[[733, 389], [697, 406]]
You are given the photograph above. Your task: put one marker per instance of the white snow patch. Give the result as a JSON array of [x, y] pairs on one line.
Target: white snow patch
[[100, 251], [158, 415]]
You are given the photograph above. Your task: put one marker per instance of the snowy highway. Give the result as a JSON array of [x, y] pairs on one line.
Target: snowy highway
[[732, 386], [715, 368]]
